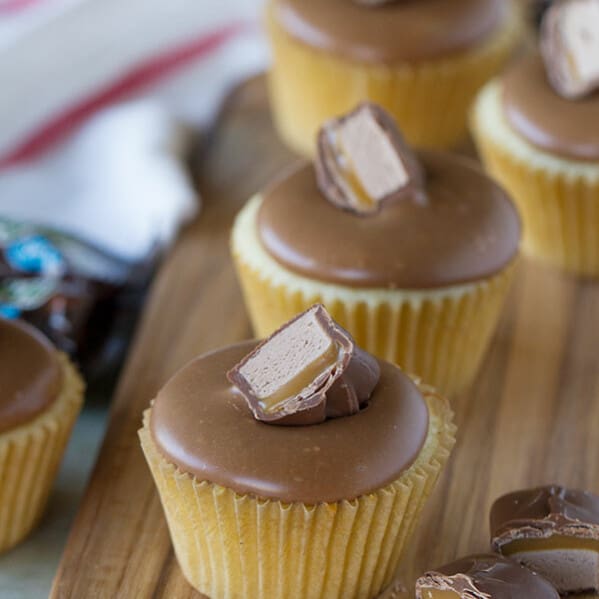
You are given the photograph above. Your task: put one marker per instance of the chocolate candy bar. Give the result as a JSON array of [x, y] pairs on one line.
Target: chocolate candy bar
[[554, 531], [307, 371]]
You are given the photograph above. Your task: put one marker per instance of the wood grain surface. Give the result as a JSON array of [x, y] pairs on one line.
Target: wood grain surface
[[531, 417]]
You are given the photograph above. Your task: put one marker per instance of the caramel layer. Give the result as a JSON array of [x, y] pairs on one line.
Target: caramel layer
[[549, 543]]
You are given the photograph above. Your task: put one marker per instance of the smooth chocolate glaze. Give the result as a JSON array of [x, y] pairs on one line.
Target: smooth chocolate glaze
[[543, 512], [467, 231], [491, 576], [201, 424], [567, 128], [409, 30], [30, 374]]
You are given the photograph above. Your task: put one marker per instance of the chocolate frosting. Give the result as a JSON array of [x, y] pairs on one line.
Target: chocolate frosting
[[30, 374], [568, 128], [201, 424], [543, 512], [488, 577], [410, 30], [468, 230]]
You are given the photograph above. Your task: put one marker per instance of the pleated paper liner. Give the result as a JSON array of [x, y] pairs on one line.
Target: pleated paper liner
[[558, 198], [232, 546], [430, 100], [440, 335], [29, 458]]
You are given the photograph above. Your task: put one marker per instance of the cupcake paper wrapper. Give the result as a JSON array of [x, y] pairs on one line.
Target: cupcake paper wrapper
[[558, 198], [233, 546], [430, 100], [440, 335], [29, 458]]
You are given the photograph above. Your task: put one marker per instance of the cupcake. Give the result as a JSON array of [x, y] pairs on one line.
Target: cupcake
[[296, 467], [412, 253], [40, 397], [423, 60], [537, 128], [484, 577]]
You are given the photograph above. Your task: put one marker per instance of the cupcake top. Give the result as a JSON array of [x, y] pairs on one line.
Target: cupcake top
[[305, 416], [405, 30], [568, 128], [30, 374], [484, 577], [552, 98], [440, 222]]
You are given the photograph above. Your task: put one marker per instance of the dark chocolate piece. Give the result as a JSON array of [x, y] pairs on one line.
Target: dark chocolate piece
[[484, 577], [570, 47], [363, 162], [305, 372], [554, 531]]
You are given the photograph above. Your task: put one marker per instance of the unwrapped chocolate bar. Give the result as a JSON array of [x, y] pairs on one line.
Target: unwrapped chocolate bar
[[487, 576], [570, 46], [554, 531], [308, 370], [364, 162]]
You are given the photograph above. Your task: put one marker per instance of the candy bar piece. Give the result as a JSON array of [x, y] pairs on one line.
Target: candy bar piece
[[363, 161], [554, 531], [570, 47], [484, 577], [307, 371]]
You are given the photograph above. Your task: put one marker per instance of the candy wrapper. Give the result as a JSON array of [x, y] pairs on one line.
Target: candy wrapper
[[84, 300]]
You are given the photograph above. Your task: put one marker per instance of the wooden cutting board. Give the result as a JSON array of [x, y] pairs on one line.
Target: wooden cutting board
[[532, 416]]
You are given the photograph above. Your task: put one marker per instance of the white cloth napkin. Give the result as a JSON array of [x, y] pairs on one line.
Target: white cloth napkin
[[96, 100]]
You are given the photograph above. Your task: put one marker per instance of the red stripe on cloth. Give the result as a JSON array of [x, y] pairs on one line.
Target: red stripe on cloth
[[139, 77], [8, 6]]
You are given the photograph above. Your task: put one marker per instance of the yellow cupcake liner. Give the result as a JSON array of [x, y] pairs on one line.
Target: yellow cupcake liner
[[429, 100], [233, 546], [558, 198], [441, 335], [29, 458]]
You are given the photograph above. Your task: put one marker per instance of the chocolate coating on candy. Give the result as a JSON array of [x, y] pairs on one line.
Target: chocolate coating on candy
[[467, 230], [363, 161], [202, 424], [374, 2], [485, 577], [546, 120], [308, 370], [30, 374], [570, 46], [410, 30], [544, 512]]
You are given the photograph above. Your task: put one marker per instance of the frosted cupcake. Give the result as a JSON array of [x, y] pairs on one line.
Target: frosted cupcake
[[40, 397], [412, 253], [294, 468], [423, 60], [538, 131]]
